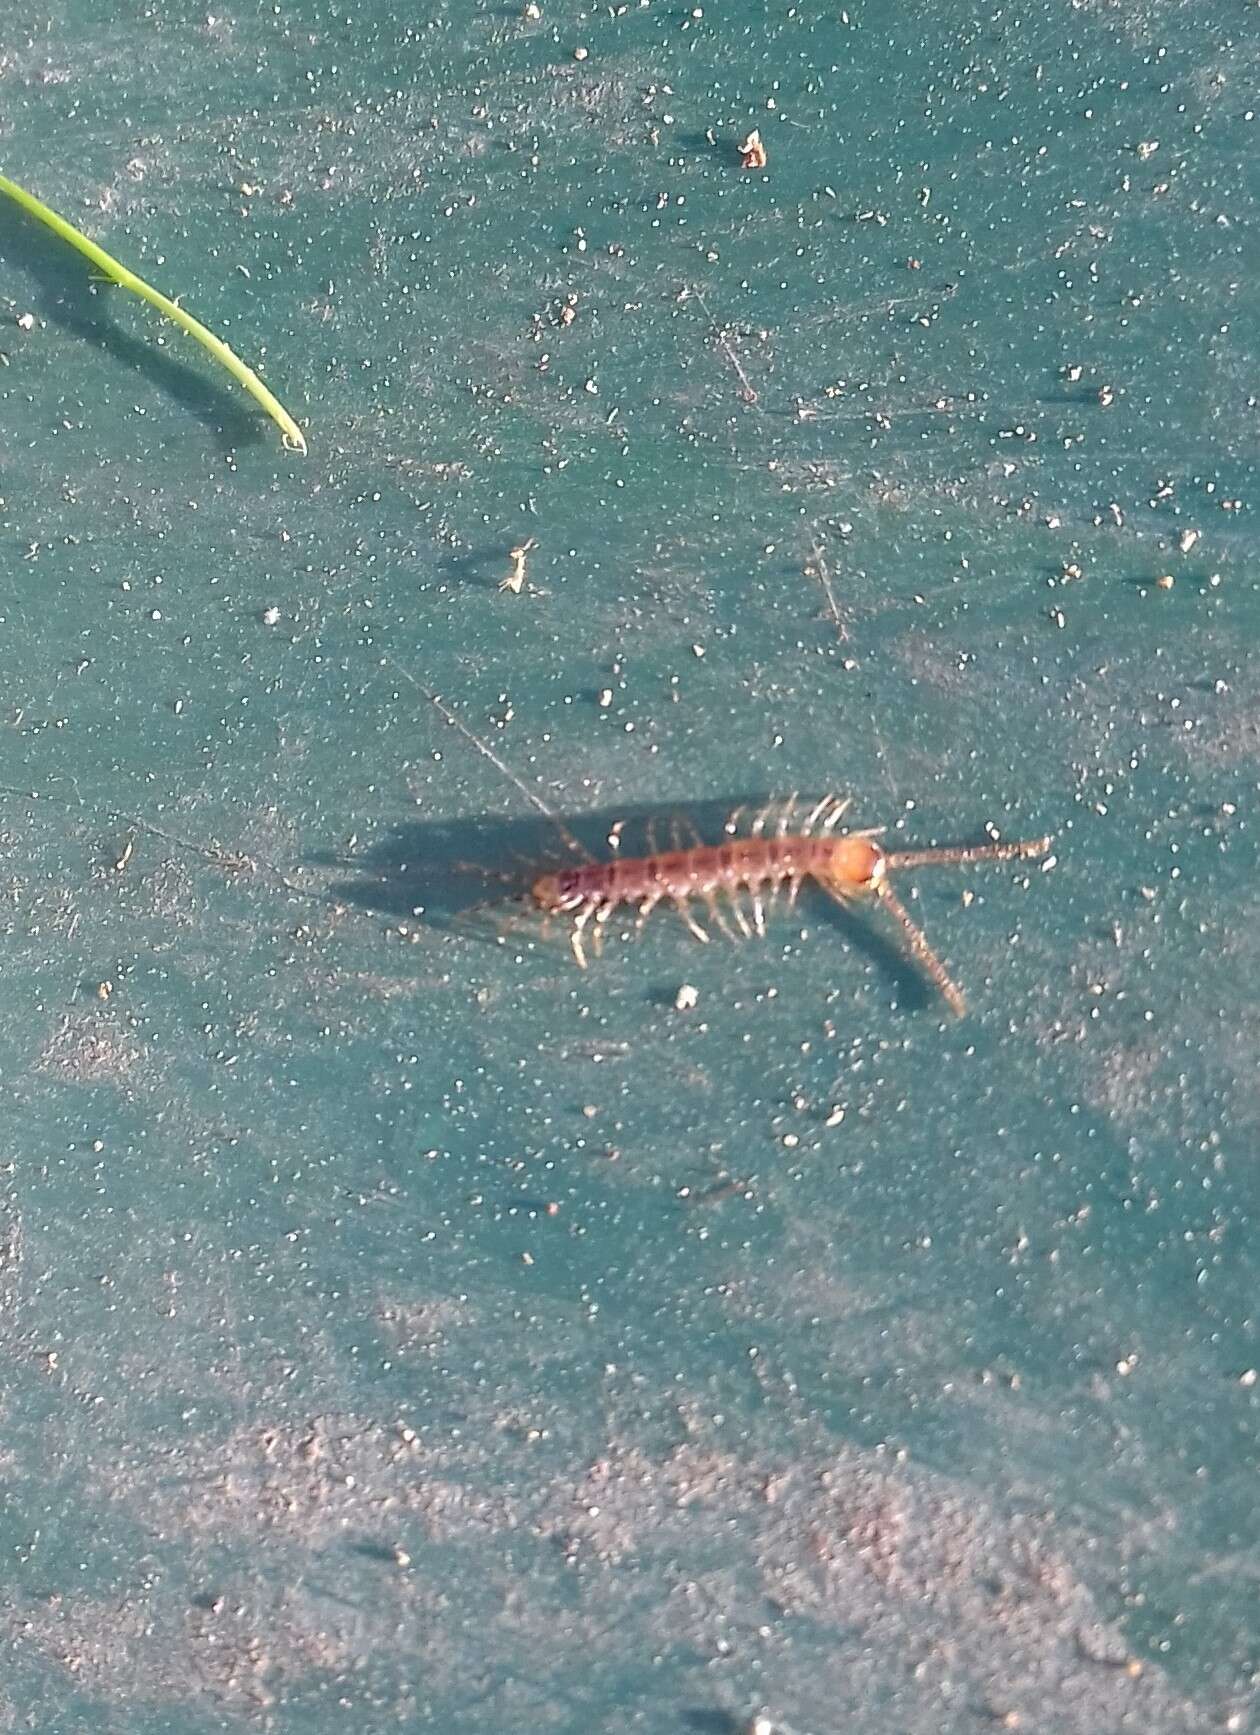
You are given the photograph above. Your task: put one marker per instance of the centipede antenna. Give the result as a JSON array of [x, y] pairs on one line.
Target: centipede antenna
[[958, 856], [917, 941]]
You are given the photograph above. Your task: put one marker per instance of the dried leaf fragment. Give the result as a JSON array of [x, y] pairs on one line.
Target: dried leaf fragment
[[752, 153], [515, 578]]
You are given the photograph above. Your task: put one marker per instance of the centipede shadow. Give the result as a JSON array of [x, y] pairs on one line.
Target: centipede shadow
[[456, 873]]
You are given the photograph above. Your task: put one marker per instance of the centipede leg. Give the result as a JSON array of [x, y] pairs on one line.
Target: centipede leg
[[580, 919], [838, 810], [603, 916], [815, 815], [716, 916], [759, 915], [646, 907], [785, 815], [689, 921], [737, 910]]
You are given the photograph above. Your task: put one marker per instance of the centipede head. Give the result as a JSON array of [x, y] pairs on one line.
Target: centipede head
[[856, 864]]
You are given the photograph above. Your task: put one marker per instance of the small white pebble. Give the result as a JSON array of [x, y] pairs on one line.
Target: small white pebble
[[581, 54], [26, 321], [686, 998], [1187, 540], [1249, 1378], [270, 616]]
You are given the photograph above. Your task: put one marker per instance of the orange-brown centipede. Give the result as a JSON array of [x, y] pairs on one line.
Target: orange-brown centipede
[[800, 846]]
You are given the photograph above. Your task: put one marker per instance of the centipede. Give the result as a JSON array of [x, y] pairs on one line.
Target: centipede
[[771, 854]]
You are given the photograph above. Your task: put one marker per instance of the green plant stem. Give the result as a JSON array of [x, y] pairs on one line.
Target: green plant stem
[[109, 267]]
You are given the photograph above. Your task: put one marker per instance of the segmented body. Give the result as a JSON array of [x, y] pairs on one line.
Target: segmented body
[[751, 865], [758, 868]]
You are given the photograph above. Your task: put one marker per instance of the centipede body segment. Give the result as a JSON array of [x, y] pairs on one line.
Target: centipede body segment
[[737, 883]]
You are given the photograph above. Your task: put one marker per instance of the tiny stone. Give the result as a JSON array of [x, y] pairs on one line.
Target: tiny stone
[[401, 1557], [26, 321], [1249, 1378], [686, 998], [533, 9], [581, 53], [270, 616], [1187, 540], [1165, 582]]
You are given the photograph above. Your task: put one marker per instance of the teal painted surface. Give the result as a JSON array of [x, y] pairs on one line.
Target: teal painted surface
[[314, 1414]]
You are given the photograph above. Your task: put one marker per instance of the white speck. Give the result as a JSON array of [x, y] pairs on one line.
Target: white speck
[[270, 616], [686, 998]]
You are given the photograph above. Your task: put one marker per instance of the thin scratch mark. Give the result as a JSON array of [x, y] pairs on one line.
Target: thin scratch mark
[[488, 752]]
